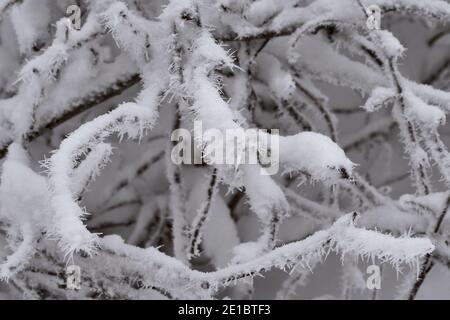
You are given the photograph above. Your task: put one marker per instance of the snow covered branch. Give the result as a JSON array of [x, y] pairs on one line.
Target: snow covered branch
[[305, 103]]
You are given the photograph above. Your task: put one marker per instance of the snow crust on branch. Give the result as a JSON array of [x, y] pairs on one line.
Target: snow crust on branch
[[230, 65]]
